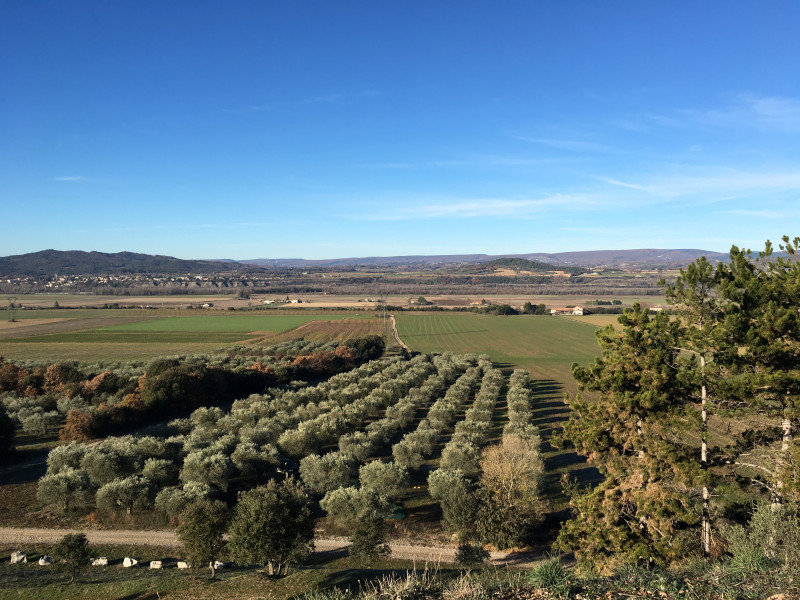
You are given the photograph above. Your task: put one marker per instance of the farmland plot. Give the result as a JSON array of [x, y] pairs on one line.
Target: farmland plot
[[141, 334], [545, 346]]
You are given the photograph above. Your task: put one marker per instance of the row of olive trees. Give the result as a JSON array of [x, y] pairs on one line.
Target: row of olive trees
[[463, 451], [326, 472], [502, 506], [323, 473], [411, 451], [222, 445], [123, 474], [313, 434], [519, 400], [360, 502]]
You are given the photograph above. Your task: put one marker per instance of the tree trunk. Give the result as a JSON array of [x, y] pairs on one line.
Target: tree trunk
[[270, 568], [213, 569], [785, 460], [706, 520]]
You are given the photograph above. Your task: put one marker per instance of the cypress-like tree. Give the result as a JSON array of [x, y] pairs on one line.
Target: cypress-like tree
[[628, 420]]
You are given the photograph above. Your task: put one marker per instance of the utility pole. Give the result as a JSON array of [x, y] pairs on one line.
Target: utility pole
[[11, 309]]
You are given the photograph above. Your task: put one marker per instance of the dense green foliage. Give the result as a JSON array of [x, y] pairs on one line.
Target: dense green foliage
[[71, 554], [630, 428], [272, 526], [202, 526]]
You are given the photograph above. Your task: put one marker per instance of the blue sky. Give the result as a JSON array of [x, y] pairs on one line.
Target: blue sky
[[321, 129]]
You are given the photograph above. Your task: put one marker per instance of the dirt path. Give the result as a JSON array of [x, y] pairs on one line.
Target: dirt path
[[10, 536], [397, 335]]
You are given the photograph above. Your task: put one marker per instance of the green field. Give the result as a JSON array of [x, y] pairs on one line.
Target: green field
[[136, 334], [225, 323], [546, 346]]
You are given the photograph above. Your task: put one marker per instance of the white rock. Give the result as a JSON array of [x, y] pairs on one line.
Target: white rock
[[46, 560], [218, 565], [183, 565], [129, 562], [100, 562], [155, 564], [18, 557]]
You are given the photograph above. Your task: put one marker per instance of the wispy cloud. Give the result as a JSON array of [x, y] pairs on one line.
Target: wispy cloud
[[729, 182], [746, 111], [466, 208], [761, 112], [74, 178]]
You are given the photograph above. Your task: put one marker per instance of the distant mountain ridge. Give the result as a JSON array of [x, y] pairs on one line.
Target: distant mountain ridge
[[78, 262], [588, 258]]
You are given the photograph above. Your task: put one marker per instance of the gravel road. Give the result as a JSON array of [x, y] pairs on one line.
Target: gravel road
[[10, 536]]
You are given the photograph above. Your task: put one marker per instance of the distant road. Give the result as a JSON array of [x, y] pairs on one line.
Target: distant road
[[10, 536]]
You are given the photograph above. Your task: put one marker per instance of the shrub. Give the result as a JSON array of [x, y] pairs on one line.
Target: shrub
[[772, 536], [71, 554], [471, 555]]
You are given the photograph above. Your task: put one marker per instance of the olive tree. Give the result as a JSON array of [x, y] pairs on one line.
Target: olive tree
[[386, 479], [129, 493], [202, 526], [66, 488], [273, 526], [362, 513], [71, 554]]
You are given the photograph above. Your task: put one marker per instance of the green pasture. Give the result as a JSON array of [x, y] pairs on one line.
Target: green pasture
[[155, 336], [225, 323], [546, 346]]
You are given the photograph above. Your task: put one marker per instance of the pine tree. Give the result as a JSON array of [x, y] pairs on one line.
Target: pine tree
[[695, 293], [764, 324], [628, 419]]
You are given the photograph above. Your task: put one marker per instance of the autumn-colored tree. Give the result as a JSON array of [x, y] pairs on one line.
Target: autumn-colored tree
[[509, 500], [78, 426]]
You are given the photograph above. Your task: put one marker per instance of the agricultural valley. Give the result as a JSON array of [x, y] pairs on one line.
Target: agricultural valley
[[424, 420]]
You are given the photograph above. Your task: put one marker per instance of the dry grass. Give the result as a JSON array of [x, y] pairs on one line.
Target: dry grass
[[9, 326]]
